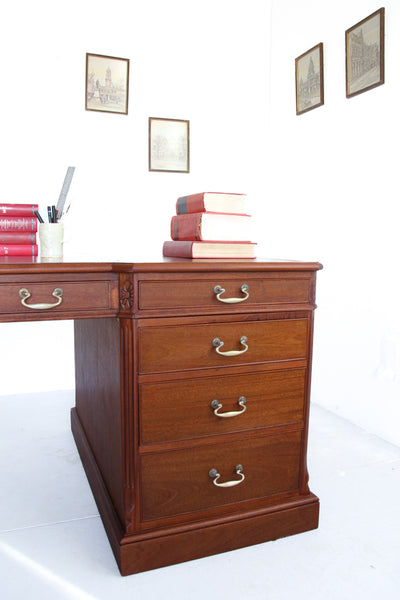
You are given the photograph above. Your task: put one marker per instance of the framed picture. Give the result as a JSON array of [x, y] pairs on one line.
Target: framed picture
[[310, 79], [107, 83], [168, 145], [365, 49]]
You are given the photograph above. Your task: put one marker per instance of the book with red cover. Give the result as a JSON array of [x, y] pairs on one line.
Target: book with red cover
[[18, 210], [18, 223], [211, 202], [19, 250], [17, 237], [213, 227], [190, 249]]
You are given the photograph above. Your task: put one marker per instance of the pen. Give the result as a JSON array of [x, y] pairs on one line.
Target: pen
[[50, 216], [54, 214], [39, 218]]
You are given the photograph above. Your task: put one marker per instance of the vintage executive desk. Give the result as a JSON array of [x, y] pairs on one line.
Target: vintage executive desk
[[192, 397]]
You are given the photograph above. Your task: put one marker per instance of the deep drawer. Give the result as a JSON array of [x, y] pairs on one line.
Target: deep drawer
[[176, 410], [179, 294], [178, 481], [180, 347]]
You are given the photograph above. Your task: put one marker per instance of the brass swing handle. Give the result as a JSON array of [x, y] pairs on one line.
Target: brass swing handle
[[25, 294], [216, 405], [213, 473], [244, 288], [217, 343]]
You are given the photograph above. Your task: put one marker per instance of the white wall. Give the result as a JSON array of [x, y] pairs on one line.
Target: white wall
[[334, 180], [321, 186]]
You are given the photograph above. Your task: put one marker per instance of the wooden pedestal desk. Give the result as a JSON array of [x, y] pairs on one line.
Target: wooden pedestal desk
[[192, 397]]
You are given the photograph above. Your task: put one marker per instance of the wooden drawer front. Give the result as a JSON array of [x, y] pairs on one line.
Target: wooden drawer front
[[178, 481], [76, 296], [177, 348], [176, 410], [179, 294]]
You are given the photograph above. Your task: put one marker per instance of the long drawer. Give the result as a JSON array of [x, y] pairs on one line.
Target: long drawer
[[181, 347], [190, 408], [179, 481], [222, 291]]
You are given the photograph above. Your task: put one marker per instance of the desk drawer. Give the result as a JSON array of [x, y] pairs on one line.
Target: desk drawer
[[175, 410], [44, 298], [181, 347], [179, 294], [177, 482]]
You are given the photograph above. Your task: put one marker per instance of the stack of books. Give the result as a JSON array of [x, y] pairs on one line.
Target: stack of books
[[210, 225], [18, 228]]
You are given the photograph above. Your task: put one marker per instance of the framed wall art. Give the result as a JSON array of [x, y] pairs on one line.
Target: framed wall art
[[310, 79], [107, 83], [168, 145], [365, 50]]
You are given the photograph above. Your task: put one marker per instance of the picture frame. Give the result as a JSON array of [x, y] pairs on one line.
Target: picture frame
[[107, 83], [365, 54], [309, 69], [169, 145]]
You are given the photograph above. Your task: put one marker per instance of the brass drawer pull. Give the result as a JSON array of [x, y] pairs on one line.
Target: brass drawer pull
[[216, 405], [25, 294], [244, 288], [213, 473], [217, 343]]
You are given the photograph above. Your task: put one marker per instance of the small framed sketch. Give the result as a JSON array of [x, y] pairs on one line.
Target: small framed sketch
[[309, 79], [107, 83], [168, 145], [365, 48]]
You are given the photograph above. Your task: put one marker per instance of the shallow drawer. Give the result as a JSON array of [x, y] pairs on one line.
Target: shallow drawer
[[183, 409], [179, 482], [180, 347], [179, 294], [45, 298]]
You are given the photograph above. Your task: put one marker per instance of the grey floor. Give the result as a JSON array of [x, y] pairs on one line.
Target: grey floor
[[53, 545]]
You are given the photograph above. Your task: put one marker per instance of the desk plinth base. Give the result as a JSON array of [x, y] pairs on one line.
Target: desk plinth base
[[135, 554]]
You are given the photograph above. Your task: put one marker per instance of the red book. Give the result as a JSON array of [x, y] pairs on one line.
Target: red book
[[19, 250], [213, 227], [18, 210], [211, 202], [18, 224], [189, 249], [17, 237]]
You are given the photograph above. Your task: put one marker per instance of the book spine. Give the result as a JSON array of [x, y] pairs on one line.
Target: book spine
[[18, 210], [18, 224], [178, 249], [18, 250], [190, 204], [186, 227], [17, 237]]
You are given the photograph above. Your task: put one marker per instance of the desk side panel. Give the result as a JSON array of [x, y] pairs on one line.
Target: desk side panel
[[98, 399]]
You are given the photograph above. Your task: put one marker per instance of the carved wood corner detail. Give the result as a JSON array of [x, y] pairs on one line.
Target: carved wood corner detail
[[126, 295]]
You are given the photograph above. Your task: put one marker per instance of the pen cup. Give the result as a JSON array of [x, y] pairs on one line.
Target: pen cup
[[51, 237]]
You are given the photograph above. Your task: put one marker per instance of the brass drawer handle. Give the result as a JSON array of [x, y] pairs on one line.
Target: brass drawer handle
[[25, 294], [244, 288], [217, 343], [216, 405], [213, 473]]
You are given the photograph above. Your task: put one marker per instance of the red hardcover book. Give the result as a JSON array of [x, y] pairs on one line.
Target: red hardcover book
[[18, 224], [219, 202], [213, 227], [190, 249], [19, 250], [17, 237], [18, 210]]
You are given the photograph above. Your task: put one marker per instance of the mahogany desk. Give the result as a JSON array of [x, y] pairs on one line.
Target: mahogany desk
[[192, 397]]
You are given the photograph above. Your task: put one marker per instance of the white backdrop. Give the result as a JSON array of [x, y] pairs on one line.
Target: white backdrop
[[321, 186]]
